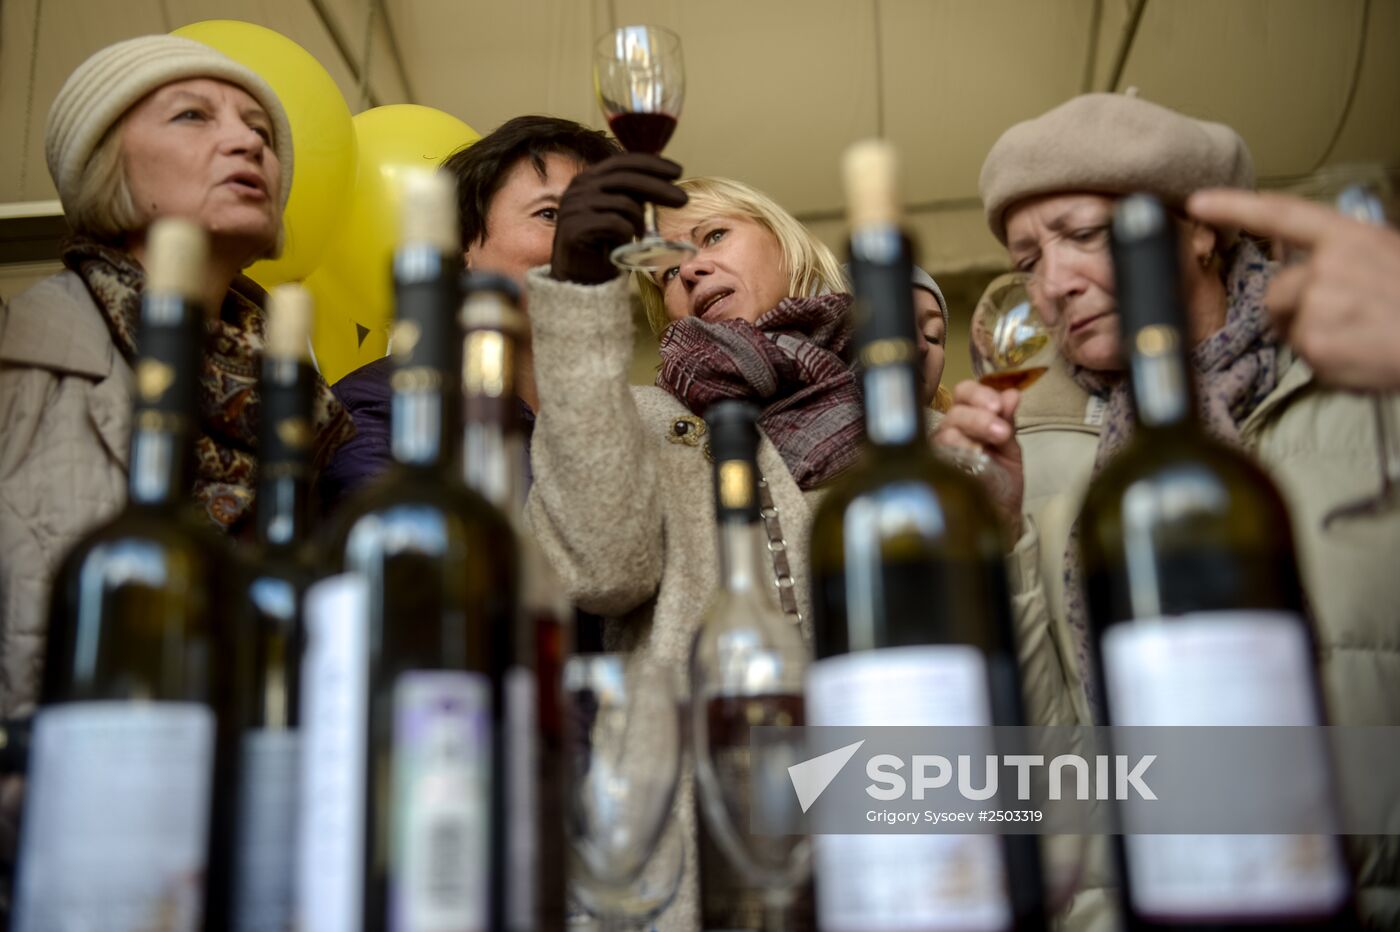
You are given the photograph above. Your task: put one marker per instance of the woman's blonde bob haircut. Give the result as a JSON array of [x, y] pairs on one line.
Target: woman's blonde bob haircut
[[812, 268], [104, 209]]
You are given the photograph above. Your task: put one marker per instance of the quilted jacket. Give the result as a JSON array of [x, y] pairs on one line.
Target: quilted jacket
[[65, 414]]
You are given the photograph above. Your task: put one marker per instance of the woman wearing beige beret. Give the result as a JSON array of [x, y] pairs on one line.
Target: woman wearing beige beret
[[1049, 186], [151, 127]]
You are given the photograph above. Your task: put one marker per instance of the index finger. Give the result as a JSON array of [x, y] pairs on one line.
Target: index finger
[[1300, 222]]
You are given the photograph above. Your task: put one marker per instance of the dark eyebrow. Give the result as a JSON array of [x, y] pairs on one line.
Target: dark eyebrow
[[549, 197]]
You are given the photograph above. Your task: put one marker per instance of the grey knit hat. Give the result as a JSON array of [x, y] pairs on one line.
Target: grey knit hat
[[1111, 144], [111, 81], [925, 281]]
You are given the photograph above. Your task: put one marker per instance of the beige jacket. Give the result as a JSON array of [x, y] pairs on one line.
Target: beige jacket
[[65, 413], [1320, 447]]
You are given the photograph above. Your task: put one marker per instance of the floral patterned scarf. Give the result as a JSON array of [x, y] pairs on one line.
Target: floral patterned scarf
[[226, 448], [1236, 369]]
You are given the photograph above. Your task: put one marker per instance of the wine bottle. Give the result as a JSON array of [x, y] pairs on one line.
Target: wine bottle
[[495, 457], [134, 732], [746, 669], [403, 720], [280, 566], [1197, 609], [911, 619]]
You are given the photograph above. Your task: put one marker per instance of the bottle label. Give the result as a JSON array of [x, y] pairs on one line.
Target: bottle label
[[116, 823], [890, 882], [1222, 668], [335, 723], [267, 823], [522, 798], [441, 821]]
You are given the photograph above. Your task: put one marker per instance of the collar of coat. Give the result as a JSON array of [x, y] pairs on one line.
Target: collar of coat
[[56, 325]]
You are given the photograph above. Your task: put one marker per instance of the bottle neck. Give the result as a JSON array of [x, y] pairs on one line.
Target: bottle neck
[[893, 412], [425, 411], [419, 417], [285, 446], [159, 472], [493, 447], [744, 566], [165, 410], [1160, 373]]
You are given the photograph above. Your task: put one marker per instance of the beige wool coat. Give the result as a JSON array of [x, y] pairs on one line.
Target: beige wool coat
[[622, 505], [1320, 447], [65, 421]]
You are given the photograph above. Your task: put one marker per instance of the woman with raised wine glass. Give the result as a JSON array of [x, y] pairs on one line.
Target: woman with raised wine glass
[[1319, 443], [621, 501]]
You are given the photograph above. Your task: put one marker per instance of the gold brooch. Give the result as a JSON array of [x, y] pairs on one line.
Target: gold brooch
[[691, 431]]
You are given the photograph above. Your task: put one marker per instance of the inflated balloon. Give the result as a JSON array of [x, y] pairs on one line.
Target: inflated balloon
[[323, 139], [335, 337], [392, 140]]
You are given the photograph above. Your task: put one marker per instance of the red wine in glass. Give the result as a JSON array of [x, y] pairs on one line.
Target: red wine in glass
[[643, 132]]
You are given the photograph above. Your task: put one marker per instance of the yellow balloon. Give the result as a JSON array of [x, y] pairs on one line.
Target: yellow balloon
[[323, 139], [334, 337], [391, 140]]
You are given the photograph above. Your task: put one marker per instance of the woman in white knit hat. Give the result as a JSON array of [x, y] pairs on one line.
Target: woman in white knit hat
[[1049, 186], [151, 127]]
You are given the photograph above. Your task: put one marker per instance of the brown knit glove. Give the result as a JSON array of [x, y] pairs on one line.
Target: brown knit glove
[[602, 209]]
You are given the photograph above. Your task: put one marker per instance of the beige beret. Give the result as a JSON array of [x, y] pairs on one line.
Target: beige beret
[[114, 79], [1111, 144]]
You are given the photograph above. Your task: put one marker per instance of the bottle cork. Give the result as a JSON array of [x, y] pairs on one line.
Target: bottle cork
[[429, 211], [289, 317], [177, 258], [870, 169]]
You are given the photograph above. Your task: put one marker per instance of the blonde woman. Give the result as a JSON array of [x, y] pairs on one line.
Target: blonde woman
[[621, 500]]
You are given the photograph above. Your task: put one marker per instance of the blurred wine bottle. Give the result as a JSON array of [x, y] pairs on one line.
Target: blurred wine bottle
[[495, 455], [747, 664], [404, 712], [911, 620], [134, 740], [1198, 612], [279, 567]]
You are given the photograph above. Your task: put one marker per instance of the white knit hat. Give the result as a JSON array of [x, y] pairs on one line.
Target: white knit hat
[[103, 88]]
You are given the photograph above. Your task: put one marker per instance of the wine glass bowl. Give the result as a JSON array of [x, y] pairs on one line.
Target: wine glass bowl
[[625, 737], [1012, 346], [639, 79]]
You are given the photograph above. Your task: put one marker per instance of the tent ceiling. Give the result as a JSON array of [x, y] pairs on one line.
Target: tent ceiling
[[777, 88]]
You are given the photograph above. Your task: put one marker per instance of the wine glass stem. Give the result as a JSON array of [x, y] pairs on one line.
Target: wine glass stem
[[649, 214]]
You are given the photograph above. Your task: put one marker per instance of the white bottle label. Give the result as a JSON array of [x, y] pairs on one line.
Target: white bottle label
[[267, 831], [116, 825], [1221, 668], [335, 723], [441, 821], [522, 799], [873, 883]]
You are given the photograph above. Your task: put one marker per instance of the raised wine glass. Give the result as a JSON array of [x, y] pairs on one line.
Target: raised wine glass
[[625, 734], [640, 80], [1012, 347]]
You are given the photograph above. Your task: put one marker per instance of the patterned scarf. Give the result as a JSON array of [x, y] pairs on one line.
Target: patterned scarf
[[1236, 369], [226, 448], [792, 363]]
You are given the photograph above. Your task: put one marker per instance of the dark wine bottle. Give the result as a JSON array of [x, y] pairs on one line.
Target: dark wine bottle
[[280, 566], [135, 727], [911, 619], [495, 456], [403, 718], [746, 669], [1197, 611]]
